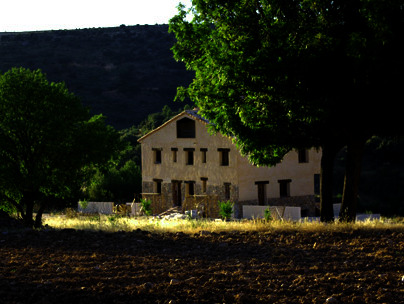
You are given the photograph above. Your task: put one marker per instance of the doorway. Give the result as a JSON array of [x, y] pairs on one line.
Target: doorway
[[176, 190]]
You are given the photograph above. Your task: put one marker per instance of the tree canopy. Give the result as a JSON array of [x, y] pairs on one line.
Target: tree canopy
[[279, 75], [47, 138]]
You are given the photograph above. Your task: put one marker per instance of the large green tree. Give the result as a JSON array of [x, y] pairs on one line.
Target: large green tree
[[47, 139], [280, 74]]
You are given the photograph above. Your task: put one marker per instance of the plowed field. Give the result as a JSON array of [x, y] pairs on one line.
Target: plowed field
[[71, 266]]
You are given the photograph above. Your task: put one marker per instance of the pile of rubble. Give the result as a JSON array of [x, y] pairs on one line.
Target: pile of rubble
[[176, 214]]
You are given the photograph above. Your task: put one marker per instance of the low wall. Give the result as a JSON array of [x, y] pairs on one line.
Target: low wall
[[307, 203], [96, 207], [135, 208], [277, 212]]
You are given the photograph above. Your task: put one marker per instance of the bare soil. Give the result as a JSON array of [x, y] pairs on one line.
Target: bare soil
[[69, 266]]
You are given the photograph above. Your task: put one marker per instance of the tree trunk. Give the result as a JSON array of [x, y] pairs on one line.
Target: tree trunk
[[38, 218], [27, 203], [326, 182], [353, 169]]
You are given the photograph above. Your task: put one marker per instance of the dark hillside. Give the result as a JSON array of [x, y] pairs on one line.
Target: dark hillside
[[125, 72]]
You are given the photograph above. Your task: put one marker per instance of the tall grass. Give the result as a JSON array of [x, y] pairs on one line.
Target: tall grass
[[112, 223]]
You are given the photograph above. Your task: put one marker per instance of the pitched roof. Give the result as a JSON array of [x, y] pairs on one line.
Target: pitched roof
[[191, 113]]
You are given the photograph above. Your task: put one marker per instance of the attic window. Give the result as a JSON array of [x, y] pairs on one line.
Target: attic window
[[186, 128]]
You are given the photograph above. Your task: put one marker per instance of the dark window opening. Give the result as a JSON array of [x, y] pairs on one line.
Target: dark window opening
[[227, 190], [174, 151], [157, 155], [186, 128], [189, 159], [262, 192], [303, 155], [284, 187], [190, 187], [224, 156], [203, 156], [204, 182], [317, 184], [157, 185]]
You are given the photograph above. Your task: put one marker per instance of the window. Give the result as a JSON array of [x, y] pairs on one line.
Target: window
[[284, 187], [157, 185], [186, 128], [157, 155], [303, 156], [203, 155], [174, 154], [224, 156], [204, 181], [227, 190], [190, 188], [262, 192], [189, 159]]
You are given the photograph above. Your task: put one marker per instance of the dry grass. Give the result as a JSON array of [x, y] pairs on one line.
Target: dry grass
[[115, 223]]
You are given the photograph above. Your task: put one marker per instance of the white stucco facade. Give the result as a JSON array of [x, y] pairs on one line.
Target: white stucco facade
[[213, 165]]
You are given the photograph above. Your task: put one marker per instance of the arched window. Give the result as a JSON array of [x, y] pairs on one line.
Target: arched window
[[186, 128]]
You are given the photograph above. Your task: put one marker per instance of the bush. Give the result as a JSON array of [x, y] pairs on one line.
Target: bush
[[145, 206], [267, 215], [71, 213], [226, 209]]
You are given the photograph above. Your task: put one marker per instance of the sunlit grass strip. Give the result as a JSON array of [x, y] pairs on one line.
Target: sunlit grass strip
[[114, 223]]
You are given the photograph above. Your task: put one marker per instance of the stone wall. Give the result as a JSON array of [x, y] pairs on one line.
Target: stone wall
[[215, 194], [159, 202], [210, 200], [206, 205]]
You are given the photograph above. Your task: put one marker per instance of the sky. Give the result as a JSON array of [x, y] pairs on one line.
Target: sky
[[37, 15]]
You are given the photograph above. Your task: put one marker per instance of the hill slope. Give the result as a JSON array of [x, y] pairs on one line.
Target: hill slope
[[125, 72]]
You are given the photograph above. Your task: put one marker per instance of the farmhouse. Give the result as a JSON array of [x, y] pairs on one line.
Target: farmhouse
[[184, 165]]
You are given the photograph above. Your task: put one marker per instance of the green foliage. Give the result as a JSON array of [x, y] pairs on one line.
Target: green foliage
[[47, 140], [278, 75], [267, 215], [83, 204], [7, 207], [117, 184], [71, 213], [226, 209], [146, 206]]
